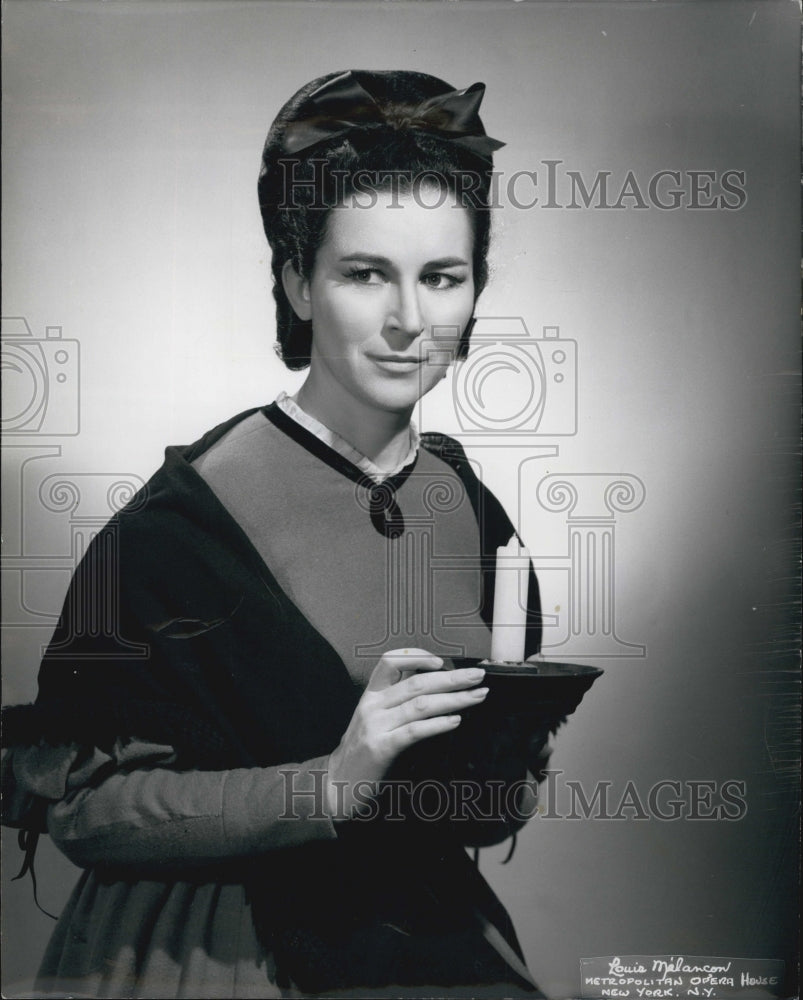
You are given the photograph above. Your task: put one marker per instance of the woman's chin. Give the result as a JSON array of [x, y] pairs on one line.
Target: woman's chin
[[400, 391]]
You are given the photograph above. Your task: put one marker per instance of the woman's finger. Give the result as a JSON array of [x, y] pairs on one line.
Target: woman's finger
[[394, 664], [428, 706], [436, 682]]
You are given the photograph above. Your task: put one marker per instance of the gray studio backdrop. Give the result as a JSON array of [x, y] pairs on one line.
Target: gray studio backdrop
[[653, 485]]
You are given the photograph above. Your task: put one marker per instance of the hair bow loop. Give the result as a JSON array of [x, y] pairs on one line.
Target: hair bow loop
[[457, 111]]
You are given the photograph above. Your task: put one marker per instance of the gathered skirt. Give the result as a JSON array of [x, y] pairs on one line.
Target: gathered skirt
[[150, 939]]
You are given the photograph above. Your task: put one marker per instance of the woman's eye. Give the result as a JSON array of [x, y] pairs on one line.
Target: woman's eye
[[365, 275], [440, 280]]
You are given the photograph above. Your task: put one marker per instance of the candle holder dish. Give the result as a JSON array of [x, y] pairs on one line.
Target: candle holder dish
[[545, 689]]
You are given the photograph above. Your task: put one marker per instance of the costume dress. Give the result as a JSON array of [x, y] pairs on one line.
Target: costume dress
[[198, 680]]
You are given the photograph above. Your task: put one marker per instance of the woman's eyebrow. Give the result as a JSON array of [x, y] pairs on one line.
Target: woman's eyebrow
[[379, 261], [367, 258], [447, 262]]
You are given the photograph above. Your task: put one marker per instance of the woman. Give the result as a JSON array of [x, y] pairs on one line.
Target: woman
[[221, 710]]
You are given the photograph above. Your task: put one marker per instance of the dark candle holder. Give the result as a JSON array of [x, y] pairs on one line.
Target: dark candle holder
[[509, 729], [545, 689]]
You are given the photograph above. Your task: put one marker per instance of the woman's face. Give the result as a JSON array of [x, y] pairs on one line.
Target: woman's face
[[390, 293]]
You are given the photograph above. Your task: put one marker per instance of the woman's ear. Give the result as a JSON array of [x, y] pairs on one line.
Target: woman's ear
[[297, 291]]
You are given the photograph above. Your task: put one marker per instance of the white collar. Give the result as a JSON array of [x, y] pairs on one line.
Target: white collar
[[339, 444]]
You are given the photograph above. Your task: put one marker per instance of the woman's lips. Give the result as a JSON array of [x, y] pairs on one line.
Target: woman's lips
[[396, 362]]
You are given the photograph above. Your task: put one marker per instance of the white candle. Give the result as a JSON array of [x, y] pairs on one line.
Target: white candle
[[510, 602]]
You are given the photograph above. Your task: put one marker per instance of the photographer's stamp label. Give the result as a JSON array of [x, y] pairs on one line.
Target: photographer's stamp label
[[650, 977]]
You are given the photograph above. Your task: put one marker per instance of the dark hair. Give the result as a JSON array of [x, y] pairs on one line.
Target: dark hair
[[297, 190]]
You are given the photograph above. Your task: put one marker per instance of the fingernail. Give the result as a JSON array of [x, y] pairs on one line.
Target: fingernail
[[479, 692], [476, 673], [438, 660]]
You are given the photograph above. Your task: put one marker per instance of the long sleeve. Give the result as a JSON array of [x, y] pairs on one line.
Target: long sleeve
[[131, 808]]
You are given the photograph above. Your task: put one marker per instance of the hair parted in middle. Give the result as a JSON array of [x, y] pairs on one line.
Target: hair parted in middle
[[353, 133]]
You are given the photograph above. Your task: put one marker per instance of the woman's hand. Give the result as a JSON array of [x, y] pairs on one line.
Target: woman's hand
[[394, 712]]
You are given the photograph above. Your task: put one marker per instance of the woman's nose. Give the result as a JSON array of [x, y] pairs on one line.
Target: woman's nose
[[405, 313]]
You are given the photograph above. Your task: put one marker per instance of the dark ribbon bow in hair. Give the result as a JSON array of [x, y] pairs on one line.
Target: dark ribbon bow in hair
[[342, 105]]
